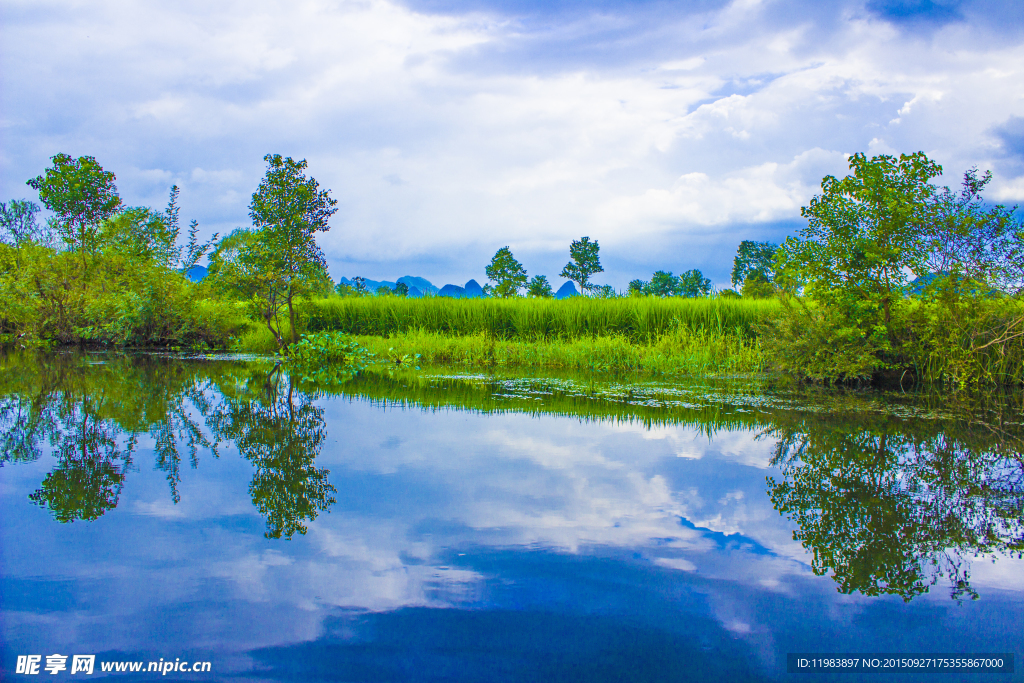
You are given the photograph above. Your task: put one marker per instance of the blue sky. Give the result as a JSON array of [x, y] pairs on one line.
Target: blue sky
[[447, 129]]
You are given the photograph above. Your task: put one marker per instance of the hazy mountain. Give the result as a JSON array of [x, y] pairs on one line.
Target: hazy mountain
[[454, 291], [473, 290], [196, 273], [420, 283], [566, 290]]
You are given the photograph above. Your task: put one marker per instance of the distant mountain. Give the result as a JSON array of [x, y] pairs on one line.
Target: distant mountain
[[473, 290], [196, 273], [422, 284], [454, 291], [414, 293], [566, 290], [372, 285]]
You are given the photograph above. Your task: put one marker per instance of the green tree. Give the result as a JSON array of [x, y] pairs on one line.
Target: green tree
[[280, 260], [662, 284], [507, 274], [693, 284], [637, 287], [18, 223], [539, 287], [584, 263], [754, 257], [81, 195], [864, 233], [756, 286]]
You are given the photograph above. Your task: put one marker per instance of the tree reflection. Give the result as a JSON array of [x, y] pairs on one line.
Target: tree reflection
[[281, 432], [890, 505]]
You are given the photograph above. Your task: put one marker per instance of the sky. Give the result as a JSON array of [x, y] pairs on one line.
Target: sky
[[447, 129]]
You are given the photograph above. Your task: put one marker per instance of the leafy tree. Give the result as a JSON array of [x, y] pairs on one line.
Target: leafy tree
[[18, 223], [584, 263], [280, 260], [637, 287], [864, 234], [81, 195], [507, 273], [539, 287], [754, 257], [604, 292], [662, 284], [755, 286], [693, 284], [401, 289]]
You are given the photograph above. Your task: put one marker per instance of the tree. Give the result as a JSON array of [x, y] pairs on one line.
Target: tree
[[637, 287], [287, 210], [693, 284], [539, 287], [662, 284], [864, 234], [401, 289], [507, 273], [18, 223], [81, 195], [584, 263], [756, 286], [754, 257]]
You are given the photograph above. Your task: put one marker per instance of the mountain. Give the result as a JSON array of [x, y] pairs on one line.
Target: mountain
[[196, 273], [420, 283], [454, 291], [414, 293], [372, 285], [473, 290], [566, 290]]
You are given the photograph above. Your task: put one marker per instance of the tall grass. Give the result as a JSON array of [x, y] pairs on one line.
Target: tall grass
[[679, 352], [640, 320]]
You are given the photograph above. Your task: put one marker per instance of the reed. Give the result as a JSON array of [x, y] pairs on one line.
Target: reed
[[639, 320]]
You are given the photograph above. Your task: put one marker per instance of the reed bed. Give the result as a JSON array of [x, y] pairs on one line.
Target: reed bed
[[640, 320]]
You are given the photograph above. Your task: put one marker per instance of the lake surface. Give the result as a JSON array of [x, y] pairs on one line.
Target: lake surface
[[430, 526]]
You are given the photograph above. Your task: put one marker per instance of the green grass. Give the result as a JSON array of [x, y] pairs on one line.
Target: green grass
[[675, 353], [636, 335], [640, 320]]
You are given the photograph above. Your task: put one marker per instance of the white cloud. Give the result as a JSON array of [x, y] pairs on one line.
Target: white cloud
[[683, 129]]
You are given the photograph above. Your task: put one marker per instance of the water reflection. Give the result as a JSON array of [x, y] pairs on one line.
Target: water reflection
[[891, 505], [91, 415], [488, 527]]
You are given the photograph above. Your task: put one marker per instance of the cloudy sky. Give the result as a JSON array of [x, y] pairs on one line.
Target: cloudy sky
[[668, 131]]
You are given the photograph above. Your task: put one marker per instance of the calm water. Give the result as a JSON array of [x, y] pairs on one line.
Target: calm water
[[425, 526]]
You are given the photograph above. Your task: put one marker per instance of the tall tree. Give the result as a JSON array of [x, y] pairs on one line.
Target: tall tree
[[507, 274], [81, 195], [287, 210], [754, 257], [584, 263]]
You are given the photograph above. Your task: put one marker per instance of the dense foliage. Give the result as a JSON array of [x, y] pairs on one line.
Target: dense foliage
[[860, 317]]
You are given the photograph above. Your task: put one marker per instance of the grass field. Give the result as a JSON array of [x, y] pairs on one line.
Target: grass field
[[639, 335], [639, 320]]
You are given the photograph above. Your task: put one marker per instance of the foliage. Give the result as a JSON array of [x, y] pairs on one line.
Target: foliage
[[539, 287], [81, 195], [584, 263], [18, 223], [507, 274], [756, 286], [326, 358], [865, 234], [279, 260], [754, 257], [662, 284], [693, 284]]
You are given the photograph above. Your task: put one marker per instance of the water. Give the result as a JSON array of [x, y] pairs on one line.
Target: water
[[425, 526]]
